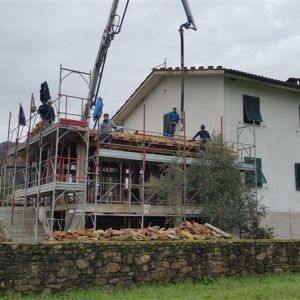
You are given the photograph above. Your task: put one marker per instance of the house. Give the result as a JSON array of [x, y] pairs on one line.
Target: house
[[228, 101]]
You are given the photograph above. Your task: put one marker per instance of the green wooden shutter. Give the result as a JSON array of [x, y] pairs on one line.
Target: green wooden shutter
[[251, 109], [166, 124], [260, 175], [297, 176], [250, 176]]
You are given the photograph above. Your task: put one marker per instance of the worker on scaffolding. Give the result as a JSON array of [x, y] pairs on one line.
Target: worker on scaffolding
[[174, 119], [204, 137], [47, 113], [106, 128]]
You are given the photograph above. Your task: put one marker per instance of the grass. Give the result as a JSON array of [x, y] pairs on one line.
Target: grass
[[284, 286]]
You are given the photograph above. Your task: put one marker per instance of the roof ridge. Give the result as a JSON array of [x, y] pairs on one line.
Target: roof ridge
[[288, 83]]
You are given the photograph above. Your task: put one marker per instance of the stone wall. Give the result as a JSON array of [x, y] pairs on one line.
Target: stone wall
[[55, 267]]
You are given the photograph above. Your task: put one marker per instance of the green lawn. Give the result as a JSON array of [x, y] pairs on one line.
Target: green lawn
[[286, 286]]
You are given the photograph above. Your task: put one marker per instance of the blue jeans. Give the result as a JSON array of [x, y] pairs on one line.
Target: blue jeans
[[172, 129]]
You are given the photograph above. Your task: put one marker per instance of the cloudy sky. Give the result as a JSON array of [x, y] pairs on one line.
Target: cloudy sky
[[256, 36]]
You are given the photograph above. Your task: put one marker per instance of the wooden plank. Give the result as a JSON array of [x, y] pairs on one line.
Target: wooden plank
[[224, 234]]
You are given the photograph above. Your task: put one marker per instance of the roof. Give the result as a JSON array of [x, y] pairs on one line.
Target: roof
[[158, 74]]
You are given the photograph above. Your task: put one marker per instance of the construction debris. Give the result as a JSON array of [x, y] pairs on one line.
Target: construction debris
[[185, 231]]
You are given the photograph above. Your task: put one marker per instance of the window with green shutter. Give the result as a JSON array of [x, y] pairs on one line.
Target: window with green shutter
[[166, 124], [251, 110], [250, 175], [297, 176]]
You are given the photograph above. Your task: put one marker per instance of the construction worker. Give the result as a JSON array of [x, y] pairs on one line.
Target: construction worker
[[174, 119], [47, 113], [106, 128], [204, 137]]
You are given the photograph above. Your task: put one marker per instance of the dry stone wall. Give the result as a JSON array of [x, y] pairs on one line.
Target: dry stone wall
[[56, 267]]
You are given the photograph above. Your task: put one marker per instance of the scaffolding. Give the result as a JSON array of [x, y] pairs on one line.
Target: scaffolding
[[42, 168], [248, 149]]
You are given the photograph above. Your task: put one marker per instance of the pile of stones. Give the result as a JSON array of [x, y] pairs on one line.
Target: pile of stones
[[185, 231]]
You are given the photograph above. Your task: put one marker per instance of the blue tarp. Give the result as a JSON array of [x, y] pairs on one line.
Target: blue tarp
[[98, 109]]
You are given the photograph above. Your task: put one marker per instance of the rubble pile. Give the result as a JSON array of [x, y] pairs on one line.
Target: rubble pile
[[185, 231]]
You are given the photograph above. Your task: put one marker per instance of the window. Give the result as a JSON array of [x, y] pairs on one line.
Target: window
[[297, 176], [251, 110], [166, 124], [250, 175]]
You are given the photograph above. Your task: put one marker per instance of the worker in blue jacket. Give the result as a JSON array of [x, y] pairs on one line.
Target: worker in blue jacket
[[174, 119]]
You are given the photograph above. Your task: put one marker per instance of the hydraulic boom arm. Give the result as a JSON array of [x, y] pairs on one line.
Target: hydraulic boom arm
[[112, 28], [114, 25]]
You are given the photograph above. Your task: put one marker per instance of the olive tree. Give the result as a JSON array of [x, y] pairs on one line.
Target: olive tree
[[215, 183]]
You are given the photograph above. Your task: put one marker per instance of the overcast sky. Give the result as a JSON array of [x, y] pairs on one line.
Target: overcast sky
[[256, 36]]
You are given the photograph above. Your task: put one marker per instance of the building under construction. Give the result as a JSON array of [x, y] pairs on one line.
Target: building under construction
[[58, 177]]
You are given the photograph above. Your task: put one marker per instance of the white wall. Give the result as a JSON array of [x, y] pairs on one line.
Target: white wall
[[277, 141], [204, 104]]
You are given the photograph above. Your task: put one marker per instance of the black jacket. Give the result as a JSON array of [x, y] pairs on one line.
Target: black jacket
[[47, 112], [204, 135]]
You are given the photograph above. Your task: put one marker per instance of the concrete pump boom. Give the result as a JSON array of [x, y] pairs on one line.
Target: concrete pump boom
[[108, 34]]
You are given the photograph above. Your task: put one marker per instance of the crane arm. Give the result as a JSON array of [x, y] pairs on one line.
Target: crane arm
[[190, 20], [108, 35], [112, 28]]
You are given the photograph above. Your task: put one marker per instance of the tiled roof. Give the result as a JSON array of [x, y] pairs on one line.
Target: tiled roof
[[235, 72], [262, 78]]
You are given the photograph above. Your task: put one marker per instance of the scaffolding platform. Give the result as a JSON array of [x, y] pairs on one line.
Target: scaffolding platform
[[50, 187], [47, 134], [136, 210], [135, 156]]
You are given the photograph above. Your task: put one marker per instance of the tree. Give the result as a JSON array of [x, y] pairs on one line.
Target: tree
[[216, 184], [167, 188]]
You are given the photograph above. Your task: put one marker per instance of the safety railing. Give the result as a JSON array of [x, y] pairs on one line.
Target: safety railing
[[72, 107], [152, 142], [66, 106], [124, 193], [67, 171]]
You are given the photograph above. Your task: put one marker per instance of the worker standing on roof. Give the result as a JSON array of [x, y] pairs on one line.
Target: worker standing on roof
[[174, 119], [204, 137], [106, 128], [47, 113]]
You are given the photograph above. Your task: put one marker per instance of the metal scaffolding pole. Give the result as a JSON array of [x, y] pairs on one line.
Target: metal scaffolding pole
[[15, 170], [86, 172], [26, 165], [184, 169], [183, 120], [144, 164], [5, 160], [97, 172], [38, 195], [56, 150], [255, 164]]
